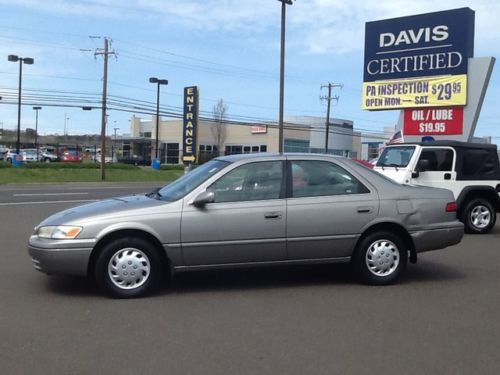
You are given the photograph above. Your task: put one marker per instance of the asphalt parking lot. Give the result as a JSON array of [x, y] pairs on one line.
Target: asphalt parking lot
[[442, 318]]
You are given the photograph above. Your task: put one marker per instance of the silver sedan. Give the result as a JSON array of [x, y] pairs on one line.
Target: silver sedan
[[250, 210]]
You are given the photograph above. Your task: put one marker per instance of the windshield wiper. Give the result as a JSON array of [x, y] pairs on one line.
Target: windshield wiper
[[393, 165], [155, 194]]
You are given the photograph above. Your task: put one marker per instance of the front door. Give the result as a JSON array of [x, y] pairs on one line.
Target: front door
[[246, 223], [437, 170]]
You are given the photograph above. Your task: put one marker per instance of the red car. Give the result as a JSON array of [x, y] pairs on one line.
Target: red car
[[364, 162], [72, 157]]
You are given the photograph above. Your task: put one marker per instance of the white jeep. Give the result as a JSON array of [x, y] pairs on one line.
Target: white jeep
[[471, 171]]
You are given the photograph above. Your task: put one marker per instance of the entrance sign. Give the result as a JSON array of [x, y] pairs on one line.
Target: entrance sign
[[190, 124]]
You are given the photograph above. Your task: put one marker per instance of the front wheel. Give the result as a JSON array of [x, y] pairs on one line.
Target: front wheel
[[479, 216], [380, 258], [128, 267]]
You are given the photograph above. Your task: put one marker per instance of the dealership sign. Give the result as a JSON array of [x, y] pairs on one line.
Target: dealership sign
[[190, 124], [433, 121], [414, 52]]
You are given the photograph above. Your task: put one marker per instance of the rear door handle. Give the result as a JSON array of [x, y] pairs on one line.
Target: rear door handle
[[364, 209], [272, 215]]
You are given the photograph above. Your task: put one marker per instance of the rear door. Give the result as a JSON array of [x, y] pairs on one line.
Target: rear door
[[326, 210]]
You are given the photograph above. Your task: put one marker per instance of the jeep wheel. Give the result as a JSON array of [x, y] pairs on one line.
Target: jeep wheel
[[479, 216], [47, 160]]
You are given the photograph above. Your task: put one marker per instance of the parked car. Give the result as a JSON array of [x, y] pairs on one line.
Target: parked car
[[9, 155], [29, 155], [250, 210], [366, 163], [470, 170], [72, 156], [47, 157], [135, 160]]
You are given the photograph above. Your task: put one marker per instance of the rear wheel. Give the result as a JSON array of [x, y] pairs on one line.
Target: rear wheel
[[479, 216], [47, 160], [380, 258], [128, 267]]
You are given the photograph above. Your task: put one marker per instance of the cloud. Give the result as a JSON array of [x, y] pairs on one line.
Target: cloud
[[316, 26]]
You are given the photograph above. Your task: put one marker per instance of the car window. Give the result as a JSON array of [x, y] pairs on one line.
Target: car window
[[437, 159], [398, 156], [249, 182], [311, 178]]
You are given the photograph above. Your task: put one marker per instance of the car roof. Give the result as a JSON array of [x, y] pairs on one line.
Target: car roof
[[270, 155], [450, 144]]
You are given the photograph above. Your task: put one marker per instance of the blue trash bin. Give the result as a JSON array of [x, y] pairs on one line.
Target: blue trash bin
[[156, 164], [17, 160]]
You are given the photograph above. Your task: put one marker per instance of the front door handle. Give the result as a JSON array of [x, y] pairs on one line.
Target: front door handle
[[364, 209], [272, 215]]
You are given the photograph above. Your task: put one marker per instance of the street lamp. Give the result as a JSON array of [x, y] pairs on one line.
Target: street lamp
[[158, 82], [114, 144], [36, 131], [282, 71], [29, 61]]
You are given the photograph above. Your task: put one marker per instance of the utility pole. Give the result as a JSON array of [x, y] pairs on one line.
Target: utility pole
[[105, 52], [329, 99]]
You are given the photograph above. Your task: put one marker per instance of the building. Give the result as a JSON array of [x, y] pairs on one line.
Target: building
[[301, 134]]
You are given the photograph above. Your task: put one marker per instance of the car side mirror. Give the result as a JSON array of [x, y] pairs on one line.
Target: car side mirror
[[415, 174], [203, 198], [423, 165]]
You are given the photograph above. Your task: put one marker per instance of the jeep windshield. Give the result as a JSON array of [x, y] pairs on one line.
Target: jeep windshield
[[396, 156]]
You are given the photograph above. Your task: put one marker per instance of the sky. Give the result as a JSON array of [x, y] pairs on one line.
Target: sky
[[229, 48]]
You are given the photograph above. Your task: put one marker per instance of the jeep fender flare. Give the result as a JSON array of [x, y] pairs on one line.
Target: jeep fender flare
[[479, 191]]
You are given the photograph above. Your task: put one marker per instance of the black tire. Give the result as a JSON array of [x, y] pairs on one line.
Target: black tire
[[479, 216], [381, 246], [47, 160], [9, 160], [138, 276]]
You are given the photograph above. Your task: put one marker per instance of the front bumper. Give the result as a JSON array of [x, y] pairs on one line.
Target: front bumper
[[63, 257], [433, 238]]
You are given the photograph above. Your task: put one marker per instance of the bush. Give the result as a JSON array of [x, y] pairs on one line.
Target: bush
[[172, 167], [4, 164], [60, 165]]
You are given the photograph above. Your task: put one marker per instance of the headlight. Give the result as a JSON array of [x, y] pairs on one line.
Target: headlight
[[61, 232]]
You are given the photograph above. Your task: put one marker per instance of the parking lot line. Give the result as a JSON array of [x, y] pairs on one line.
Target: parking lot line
[[44, 194], [48, 202]]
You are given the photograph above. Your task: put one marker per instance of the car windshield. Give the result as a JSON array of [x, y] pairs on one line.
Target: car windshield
[[185, 184], [398, 156]]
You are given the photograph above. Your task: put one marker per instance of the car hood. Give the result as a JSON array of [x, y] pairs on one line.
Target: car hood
[[114, 207]]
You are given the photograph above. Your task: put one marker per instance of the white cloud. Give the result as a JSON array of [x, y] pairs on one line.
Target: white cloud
[[319, 26]]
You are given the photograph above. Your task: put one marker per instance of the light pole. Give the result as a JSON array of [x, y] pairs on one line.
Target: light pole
[[282, 71], [36, 130], [29, 61], [114, 144], [158, 82]]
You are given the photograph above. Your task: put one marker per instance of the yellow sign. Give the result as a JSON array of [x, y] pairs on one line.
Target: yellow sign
[[440, 91], [191, 158]]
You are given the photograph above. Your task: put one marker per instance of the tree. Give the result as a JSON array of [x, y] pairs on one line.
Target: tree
[[219, 130]]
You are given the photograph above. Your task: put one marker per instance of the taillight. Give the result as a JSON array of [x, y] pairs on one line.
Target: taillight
[[451, 207]]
